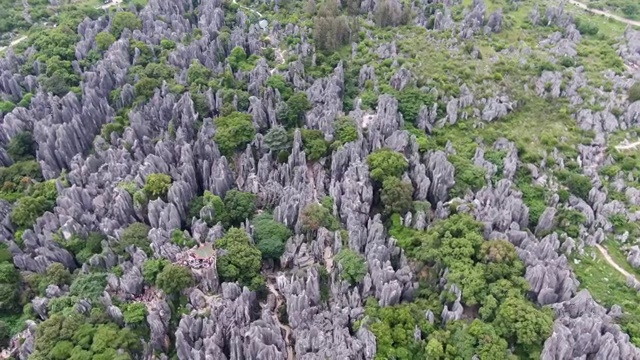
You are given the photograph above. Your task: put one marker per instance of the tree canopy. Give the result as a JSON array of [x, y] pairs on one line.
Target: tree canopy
[[233, 132], [241, 262], [124, 20], [385, 163]]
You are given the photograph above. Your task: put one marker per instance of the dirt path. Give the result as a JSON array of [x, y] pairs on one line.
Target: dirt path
[[111, 4], [604, 13], [627, 146], [286, 328], [611, 262], [14, 42], [247, 8]]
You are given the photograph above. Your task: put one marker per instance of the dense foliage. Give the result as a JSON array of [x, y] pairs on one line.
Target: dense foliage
[[490, 277], [432, 131], [242, 261]]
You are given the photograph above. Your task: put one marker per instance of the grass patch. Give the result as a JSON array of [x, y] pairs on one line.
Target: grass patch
[[608, 287]]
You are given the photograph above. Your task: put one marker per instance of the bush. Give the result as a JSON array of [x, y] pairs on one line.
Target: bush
[[134, 235], [411, 100], [22, 147], [214, 203], [586, 28], [124, 20], [27, 209], [315, 148], [578, 184], [157, 185], [634, 92], [233, 132], [354, 266], [278, 82], [174, 278], [467, 175], [315, 216], [277, 139], [297, 105], [385, 163], [104, 40], [241, 262], [396, 196], [181, 239], [239, 206], [270, 236], [346, 130]]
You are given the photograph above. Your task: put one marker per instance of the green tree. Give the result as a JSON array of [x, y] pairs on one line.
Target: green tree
[[501, 259], [167, 44], [396, 196], [136, 235], [88, 286], [145, 87], [411, 100], [157, 185], [151, 268], [57, 274], [237, 57], [174, 278], [213, 202], [124, 20], [22, 147], [198, 74], [314, 145], [522, 323], [239, 206], [346, 130], [354, 266], [280, 83], [330, 29], [61, 351], [9, 290], [270, 236], [6, 107], [241, 262], [634, 92], [315, 216], [385, 163], [297, 105], [135, 314], [271, 248], [27, 209], [5, 334], [390, 13], [277, 139], [233, 132], [434, 349], [104, 40]]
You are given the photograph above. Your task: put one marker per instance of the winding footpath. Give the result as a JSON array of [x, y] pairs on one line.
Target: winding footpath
[[285, 328], [627, 146], [611, 262], [607, 14]]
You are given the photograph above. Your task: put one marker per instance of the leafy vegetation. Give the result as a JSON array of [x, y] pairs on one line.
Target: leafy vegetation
[[270, 236], [490, 277], [354, 266], [242, 261], [386, 163], [234, 131]]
